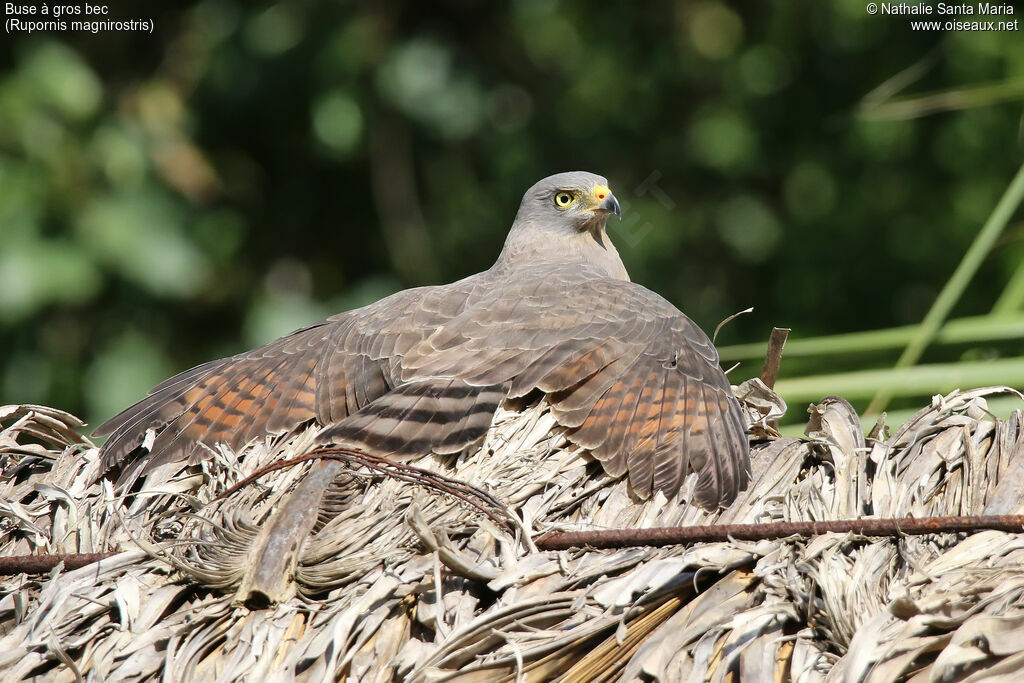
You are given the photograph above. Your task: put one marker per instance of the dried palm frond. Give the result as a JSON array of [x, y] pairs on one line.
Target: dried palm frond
[[401, 580]]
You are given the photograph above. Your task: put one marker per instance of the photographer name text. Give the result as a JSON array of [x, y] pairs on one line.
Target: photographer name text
[[945, 9]]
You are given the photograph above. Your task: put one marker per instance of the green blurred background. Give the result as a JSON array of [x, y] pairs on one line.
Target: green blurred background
[[248, 168]]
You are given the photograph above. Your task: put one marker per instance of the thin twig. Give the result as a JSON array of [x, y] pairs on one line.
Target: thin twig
[[773, 357], [658, 536], [728, 320], [661, 536], [42, 564], [471, 495]]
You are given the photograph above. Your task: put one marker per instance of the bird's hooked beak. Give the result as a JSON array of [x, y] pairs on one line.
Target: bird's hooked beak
[[607, 201]]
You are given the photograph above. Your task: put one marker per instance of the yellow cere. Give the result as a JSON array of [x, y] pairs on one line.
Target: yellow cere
[[601, 191]]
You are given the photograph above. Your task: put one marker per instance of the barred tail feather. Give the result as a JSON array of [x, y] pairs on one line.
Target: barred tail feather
[[439, 415]]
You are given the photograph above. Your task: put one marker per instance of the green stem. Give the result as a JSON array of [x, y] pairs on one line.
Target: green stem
[[956, 285], [928, 379], [975, 329], [916, 106], [1011, 301]]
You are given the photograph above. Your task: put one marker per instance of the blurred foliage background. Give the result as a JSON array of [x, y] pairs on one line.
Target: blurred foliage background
[[251, 167]]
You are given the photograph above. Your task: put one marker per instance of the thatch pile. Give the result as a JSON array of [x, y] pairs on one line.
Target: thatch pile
[[402, 582]]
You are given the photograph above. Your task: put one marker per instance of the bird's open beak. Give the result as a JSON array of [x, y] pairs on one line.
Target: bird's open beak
[[607, 200]]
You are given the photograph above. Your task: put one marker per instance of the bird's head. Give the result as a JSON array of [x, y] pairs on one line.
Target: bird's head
[[576, 201], [562, 218]]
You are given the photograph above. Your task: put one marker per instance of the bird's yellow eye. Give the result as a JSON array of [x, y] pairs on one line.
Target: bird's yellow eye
[[564, 199]]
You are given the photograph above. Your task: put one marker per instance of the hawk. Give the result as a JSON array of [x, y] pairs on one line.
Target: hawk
[[631, 379]]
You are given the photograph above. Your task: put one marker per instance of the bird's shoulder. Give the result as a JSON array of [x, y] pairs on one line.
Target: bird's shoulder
[[574, 294], [534, 309]]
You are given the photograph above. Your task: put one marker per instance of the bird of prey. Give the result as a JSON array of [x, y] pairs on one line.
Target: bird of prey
[[631, 379]]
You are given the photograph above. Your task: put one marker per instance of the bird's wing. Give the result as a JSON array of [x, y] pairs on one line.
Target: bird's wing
[[323, 372], [425, 369], [637, 381]]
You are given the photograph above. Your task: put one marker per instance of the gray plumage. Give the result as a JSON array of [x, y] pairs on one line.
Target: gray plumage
[[633, 379]]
